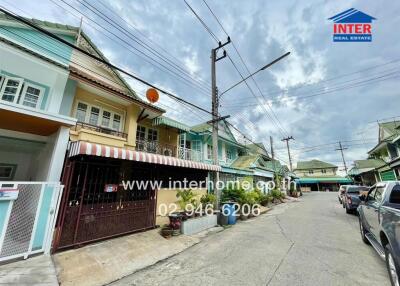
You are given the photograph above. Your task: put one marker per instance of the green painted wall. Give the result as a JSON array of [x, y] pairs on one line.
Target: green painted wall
[[388, 176], [40, 43]]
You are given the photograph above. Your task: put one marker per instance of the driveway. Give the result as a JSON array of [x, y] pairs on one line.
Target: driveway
[[311, 242]]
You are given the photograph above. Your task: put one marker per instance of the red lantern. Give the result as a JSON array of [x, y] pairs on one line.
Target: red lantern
[[152, 95]]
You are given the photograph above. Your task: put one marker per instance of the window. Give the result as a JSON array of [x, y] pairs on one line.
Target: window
[[323, 171], [395, 195], [229, 154], [31, 95], [97, 116], [116, 125], [140, 133], [311, 171], [209, 152], [94, 115], [7, 171], [81, 112], [11, 89], [105, 121], [152, 135], [196, 145]]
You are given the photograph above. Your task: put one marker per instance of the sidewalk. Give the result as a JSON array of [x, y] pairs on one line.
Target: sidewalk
[[34, 271], [107, 261], [100, 263]]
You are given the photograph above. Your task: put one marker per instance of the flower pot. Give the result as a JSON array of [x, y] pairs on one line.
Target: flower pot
[[166, 232]]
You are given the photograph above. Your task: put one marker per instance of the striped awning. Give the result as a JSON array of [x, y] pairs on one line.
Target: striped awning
[[86, 148]]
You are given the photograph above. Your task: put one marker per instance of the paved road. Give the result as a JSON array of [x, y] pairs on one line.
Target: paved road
[[312, 242]]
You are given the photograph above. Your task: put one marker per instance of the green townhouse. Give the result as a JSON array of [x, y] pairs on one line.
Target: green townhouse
[[238, 161], [386, 153], [35, 104]]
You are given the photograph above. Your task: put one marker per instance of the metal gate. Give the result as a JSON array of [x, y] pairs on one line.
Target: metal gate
[[28, 211], [89, 213]]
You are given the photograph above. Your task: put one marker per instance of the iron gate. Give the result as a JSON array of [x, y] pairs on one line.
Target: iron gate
[[89, 213], [28, 212]]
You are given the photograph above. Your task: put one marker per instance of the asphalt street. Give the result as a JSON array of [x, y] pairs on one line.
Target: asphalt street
[[311, 242]]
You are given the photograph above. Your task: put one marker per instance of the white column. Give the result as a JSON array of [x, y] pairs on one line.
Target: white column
[[58, 154]]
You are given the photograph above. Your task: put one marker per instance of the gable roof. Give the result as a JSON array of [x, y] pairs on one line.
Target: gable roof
[[313, 164], [258, 148], [62, 29], [388, 131], [166, 121], [224, 130], [369, 163], [250, 162], [352, 16]]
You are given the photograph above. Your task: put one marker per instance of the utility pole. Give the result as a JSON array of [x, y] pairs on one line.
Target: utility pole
[[215, 116], [341, 151], [271, 141], [287, 139]]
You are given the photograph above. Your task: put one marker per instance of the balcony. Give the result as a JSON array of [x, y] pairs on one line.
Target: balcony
[[82, 125], [190, 154], [156, 147]]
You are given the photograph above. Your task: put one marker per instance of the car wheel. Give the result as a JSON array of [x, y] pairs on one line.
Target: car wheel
[[363, 232], [392, 266], [348, 211]]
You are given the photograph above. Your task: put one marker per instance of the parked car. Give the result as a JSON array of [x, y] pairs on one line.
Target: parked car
[[351, 199], [379, 217], [341, 191]]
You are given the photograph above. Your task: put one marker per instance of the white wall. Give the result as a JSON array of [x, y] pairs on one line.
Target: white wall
[[23, 162], [29, 67]]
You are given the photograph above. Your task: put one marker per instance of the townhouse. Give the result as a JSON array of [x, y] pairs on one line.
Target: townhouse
[[316, 175], [73, 132], [387, 150], [118, 138], [34, 130]]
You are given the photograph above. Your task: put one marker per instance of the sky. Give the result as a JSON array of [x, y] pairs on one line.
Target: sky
[[322, 93]]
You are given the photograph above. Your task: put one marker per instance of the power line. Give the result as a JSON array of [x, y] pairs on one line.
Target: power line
[[138, 41], [217, 40], [51, 35], [279, 124], [384, 77], [131, 48], [175, 59]]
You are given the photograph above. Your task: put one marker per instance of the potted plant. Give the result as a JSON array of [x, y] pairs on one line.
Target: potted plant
[[206, 201], [166, 231], [186, 198]]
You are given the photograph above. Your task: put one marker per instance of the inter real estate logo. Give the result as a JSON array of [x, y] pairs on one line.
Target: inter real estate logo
[[352, 26]]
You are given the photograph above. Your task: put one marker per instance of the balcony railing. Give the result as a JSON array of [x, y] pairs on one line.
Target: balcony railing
[[156, 148], [189, 154], [100, 129]]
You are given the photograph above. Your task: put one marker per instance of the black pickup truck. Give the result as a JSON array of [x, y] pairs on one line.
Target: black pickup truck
[[379, 216]]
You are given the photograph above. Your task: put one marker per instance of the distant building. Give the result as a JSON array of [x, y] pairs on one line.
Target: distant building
[[317, 175], [366, 172], [388, 150]]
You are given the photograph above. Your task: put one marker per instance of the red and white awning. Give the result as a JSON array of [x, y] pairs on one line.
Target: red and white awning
[[86, 148]]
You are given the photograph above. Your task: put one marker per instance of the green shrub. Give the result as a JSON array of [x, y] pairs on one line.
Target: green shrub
[[233, 194], [208, 199], [186, 197]]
